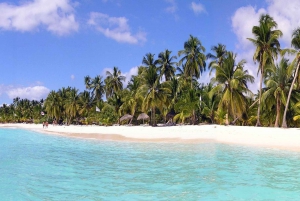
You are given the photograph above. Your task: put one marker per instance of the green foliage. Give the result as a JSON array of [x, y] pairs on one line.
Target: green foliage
[[186, 106], [293, 67], [108, 115], [220, 116], [277, 86], [193, 57], [166, 65], [96, 85], [113, 82], [231, 82], [209, 102]]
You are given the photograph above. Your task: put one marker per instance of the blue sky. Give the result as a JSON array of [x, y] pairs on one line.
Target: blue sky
[[46, 45]]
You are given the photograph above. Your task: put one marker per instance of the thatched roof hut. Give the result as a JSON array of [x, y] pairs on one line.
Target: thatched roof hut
[[143, 116], [126, 117]]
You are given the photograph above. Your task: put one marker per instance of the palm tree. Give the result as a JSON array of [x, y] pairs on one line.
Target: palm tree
[[166, 65], [194, 58], [116, 102], [296, 62], [114, 82], [7, 113], [186, 105], [220, 51], [267, 48], [209, 102], [86, 103], [16, 101], [53, 105], [183, 79], [153, 91], [211, 99], [149, 61], [24, 109], [71, 104], [134, 83], [175, 86], [277, 84], [96, 85], [232, 81], [63, 93], [131, 97], [37, 109], [87, 82]]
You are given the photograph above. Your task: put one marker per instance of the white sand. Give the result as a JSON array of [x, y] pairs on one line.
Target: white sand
[[244, 135]]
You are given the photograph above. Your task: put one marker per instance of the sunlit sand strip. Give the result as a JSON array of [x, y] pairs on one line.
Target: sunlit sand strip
[[244, 135]]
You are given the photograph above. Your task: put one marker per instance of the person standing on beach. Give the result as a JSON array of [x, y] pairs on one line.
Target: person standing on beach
[[43, 124]]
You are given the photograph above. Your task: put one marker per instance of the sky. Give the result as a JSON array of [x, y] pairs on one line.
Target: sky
[[46, 45]]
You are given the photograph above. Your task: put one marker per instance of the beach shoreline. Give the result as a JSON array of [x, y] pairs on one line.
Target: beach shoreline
[[277, 138]]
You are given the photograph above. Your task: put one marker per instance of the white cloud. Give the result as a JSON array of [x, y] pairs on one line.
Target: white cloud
[[197, 8], [57, 16], [242, 22], [31, 93], [103, 73], [286, 14], [116, 28], [205, 77], [131, 72], [2, 89], [72, 77], [173, 6]]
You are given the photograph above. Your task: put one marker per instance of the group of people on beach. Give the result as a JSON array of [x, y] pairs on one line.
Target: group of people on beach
[[45, 124]]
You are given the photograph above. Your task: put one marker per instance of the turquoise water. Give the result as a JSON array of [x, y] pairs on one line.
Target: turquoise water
[[35, 166]]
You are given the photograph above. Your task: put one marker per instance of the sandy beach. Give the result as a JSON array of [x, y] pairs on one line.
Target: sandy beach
[[253, 136]]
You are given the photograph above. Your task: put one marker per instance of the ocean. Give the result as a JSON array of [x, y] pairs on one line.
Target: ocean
[[35, 166]]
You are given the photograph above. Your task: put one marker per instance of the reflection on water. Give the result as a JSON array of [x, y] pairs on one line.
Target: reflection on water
[[41, 167]]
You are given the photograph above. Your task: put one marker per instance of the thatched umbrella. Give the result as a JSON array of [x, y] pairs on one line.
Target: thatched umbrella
[[143, 116], [126, 117]]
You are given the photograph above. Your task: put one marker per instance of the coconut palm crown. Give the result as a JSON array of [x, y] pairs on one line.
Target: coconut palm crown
[[193, 58]]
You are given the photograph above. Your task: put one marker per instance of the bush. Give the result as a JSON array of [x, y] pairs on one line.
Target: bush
[[108, 116]]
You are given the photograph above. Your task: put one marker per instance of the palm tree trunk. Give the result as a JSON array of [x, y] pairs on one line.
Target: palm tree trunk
[[212, 117], [259, 100], [277, 112], [154, 124], [233, 123], [151, 120], [194, 117], [119, 120], [284, 125]]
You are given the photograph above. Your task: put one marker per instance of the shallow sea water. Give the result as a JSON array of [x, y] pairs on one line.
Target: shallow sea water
[[38, 167]]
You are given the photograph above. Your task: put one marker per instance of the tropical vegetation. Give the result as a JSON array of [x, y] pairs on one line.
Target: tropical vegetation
[[169, 88]]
